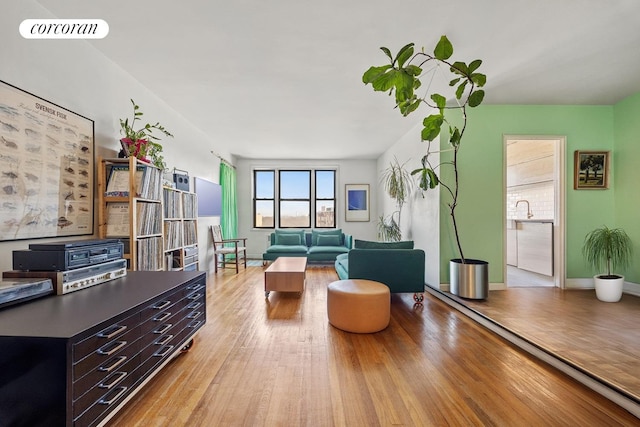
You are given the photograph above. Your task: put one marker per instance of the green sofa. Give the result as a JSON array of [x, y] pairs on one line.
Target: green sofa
[[396, 264], [316, 245]]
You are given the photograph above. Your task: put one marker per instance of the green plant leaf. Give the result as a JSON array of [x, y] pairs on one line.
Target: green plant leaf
[[413, 70], [460, 89], [459, 67], [432, 125], [444, 49], [374, 72], [454, 139], [385, 81], [478, 78], [474, 65], [387, 52], [433, 178], [404, 54], [439, 100], [476, 98], [454, 82]]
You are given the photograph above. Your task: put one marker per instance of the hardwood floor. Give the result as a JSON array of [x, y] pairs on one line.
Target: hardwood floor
[[600, 339], [278, 362]]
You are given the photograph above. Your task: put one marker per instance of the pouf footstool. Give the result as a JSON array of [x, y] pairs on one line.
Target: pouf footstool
[[358, 305]]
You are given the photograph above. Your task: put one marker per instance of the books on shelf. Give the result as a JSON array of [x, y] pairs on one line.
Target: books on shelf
[[147, 185], [149, 218], [150, 254], [190, 236], [172, 235], [171, 199], [189, 205], [117, 220]]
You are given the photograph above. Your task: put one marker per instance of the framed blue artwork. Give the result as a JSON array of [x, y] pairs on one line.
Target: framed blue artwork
[[357, 202]]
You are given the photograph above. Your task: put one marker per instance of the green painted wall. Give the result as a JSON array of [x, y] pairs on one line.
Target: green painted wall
[[481, 163], [627, 175]]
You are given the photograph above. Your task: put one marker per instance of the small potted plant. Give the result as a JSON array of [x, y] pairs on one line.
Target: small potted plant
[[142, 143], [398, 184], [607, 248]]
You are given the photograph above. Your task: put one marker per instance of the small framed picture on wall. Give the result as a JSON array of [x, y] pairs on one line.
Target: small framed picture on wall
[[357, 202], [591, 170]]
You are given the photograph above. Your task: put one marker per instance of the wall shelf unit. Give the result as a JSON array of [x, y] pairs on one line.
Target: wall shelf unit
[[130, 208], [180, 230]]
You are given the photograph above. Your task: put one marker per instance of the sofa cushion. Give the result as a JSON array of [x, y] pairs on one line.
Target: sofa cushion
[[288, 239], [366, 244], [279, 233], [328, 250], [287, 249], [316, 233], [329, 240]]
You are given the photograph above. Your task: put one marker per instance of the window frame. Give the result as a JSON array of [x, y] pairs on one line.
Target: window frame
[[312, 200], [256, 199]]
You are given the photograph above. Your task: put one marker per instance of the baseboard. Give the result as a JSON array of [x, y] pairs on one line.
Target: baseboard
[[581, 283]]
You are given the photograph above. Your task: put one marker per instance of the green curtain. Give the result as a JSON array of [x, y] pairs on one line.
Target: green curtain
[[229, 218]]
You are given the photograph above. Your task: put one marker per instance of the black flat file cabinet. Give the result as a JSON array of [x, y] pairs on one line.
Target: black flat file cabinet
[[75, 359]]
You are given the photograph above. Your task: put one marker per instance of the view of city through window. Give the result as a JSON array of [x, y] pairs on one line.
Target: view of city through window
[[298, 191]]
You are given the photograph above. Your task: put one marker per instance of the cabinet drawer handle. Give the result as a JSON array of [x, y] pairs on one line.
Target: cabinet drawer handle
[[162, 316], [194, 296], [194, 324], [164, 328], [106, 349], [194, 305], [112, 331], [117, 377], [120, 392], [116, 362], [194, 315], [164, 340], [161, 305], [195, 287], [161, 353]]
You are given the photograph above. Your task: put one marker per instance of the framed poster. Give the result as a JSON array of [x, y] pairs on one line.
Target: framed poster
[[357, 202], [591, 170], [46, 168]]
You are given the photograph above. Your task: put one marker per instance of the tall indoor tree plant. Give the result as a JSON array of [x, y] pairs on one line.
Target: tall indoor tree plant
[[402, 78]]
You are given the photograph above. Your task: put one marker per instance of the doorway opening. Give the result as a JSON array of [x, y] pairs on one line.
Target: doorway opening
[[534, 200]]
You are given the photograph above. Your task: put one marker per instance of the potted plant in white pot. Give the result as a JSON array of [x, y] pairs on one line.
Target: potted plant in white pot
[[142, 143], [468, 277], [606, 249]]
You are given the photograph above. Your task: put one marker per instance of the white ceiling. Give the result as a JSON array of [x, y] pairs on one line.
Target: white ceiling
[[282, 79]]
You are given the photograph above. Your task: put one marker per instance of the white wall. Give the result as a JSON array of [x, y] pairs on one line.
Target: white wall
[[421, 215], [74, 75], [348, 172]]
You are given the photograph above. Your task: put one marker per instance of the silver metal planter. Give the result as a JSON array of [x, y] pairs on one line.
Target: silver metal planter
[[469, 280]]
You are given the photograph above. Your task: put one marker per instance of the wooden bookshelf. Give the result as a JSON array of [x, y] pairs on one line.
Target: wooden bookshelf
[[180, 230], [131, 209]]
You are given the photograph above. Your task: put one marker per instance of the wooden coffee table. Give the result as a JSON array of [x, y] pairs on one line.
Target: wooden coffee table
[[286, 274]]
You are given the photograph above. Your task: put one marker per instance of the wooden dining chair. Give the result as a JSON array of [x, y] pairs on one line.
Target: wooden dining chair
[[228, 253]]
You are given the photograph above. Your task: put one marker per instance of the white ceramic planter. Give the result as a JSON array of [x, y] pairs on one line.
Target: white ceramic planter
[[609, 290]]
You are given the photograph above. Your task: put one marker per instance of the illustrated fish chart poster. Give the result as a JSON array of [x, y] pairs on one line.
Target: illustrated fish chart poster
[[46, 168]]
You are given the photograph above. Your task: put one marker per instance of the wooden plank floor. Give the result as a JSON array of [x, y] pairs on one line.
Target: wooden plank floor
[[278, 362], [600, 338]]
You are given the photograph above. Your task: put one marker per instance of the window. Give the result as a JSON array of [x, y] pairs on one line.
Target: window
[[264, 182], [325, 198], [295, 199], [298, 192]]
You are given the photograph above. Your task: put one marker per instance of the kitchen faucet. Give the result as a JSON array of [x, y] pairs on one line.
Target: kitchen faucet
[[529, 214]]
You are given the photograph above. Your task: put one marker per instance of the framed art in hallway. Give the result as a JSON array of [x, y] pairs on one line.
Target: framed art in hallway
[[357, 202], [591, 170]]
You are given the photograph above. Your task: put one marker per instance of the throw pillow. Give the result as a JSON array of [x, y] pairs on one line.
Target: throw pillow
[[288, 239], [316, 233], [328, 240]]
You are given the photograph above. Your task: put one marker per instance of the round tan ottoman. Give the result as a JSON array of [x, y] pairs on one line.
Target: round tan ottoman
[[358, 305]]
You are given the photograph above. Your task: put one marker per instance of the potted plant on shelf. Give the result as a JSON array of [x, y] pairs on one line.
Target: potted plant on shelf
[[398, 184], [142, 143], [608, 248], [468, 277]]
